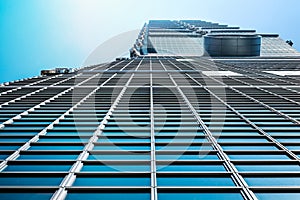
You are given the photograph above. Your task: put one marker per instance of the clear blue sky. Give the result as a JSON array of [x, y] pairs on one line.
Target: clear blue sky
[[40, 34]]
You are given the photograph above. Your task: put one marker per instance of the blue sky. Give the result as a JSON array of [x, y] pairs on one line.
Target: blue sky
[[41, 34]]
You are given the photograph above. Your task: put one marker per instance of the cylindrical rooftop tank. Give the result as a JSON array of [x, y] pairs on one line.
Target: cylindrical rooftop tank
[[222, 45]]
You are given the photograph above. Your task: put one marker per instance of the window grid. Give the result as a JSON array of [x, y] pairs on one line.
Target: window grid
[[218, 143]]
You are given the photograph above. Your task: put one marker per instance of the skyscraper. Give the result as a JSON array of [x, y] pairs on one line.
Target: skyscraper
[[199, 111]]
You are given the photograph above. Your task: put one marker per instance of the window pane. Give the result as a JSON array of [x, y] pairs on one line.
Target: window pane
[[281, 196], [34, 181], [12, 167], [55, 147], [184, 148], [47, 157], [273, 181], [127, 140], [200, 196], [259, 157], [268, 167], [293, 148], [112, 181], [187, 157], [190, 167], [246, 148], [4, 156], [242, 140], [123, 147], [119, 157], [108, 196], [14, 139], [194, 181], [31, 196], [121, 168], [50, 139], [178, 140], [8, 147]]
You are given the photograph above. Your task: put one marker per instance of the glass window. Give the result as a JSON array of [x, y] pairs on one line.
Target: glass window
[[9, 147], [293, 148], [194, 181], [186, 157], [70, 133], [236, 133], [273, 181], [119, 168], [119, 157], [258, 157], [180, 140], [200, 196], [125, 140], [24, 133], [281, 196], [56, 147], [47, 157], [283, 133], [184, 148], [4, 156], [271, 167], [108, 196], [14, 139], [242, 140], [30, 181], [122, 147], [32, 122], [119, 133], [246, 148], [31, 196], [292, 140], [200, 168], [62, 140], [12, 167], [112, 181], [177, 132]]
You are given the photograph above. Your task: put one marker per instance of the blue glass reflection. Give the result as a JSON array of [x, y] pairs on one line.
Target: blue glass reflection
[[112, 181], [200, 196], [194, 181], [27, 181], [122, 168], [11, 167], [31, 196], [108, 196], [273, 181]]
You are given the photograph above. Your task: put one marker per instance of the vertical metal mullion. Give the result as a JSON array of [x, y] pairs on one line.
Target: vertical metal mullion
[[153, 155]]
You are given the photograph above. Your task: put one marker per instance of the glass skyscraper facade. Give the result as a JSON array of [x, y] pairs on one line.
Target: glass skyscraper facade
[[199, 111]]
